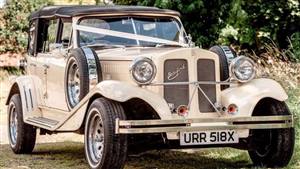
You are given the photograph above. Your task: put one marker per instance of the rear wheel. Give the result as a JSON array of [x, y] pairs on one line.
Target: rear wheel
[[272, 147], [103, 148], [21, 136]]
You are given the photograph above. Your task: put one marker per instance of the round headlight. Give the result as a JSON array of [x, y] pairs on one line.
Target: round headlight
[[242, 69], [143, 70]]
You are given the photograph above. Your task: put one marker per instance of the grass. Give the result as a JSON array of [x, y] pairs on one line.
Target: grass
[[66, 155]]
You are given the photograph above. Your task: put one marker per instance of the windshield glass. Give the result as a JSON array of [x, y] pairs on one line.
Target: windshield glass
[[163, 28]]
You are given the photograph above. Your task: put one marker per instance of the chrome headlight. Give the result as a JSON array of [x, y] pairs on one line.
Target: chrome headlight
[[143, 70], [242, 69]]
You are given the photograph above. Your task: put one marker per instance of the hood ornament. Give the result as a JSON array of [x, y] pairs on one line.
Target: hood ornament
[[174, 74]]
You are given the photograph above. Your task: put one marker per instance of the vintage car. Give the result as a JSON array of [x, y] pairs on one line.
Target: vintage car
[[130, 79]]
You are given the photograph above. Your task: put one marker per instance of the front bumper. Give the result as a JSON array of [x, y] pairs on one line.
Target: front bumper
[[185, 125]]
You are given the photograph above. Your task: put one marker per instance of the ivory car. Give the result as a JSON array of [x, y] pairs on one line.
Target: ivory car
[[130, 80]]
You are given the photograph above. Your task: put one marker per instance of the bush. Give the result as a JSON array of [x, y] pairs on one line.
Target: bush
[[14, 27], [294, 46]]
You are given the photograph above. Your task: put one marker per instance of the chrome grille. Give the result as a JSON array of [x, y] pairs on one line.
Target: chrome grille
[[176, 70], [206, 72]]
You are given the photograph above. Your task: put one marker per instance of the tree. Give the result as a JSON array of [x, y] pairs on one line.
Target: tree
[[256, 22], [14, 27]]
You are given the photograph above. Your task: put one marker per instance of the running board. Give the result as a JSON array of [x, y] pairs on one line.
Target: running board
[[42, 122]]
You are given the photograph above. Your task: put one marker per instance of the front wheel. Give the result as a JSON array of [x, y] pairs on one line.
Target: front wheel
[[21, 136], [272, 147], [103, 148]]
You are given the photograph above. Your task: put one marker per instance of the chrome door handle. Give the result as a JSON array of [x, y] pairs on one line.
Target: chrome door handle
[[46, 66]]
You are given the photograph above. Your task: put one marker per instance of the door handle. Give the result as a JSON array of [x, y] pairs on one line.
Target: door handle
[[46, 66]]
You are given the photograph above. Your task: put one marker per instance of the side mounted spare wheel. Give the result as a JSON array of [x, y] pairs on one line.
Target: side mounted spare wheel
[[226, 54], [83, 71]]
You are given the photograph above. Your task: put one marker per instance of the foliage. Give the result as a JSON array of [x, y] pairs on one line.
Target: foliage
[[14, 27], [261, 21], [275, 64], [249, 24], [201, 18], [294, 46]]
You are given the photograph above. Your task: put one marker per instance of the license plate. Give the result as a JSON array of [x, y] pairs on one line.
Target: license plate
[[208, 137]]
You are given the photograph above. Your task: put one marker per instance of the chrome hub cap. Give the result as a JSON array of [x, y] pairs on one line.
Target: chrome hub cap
[[13, 124], [95, 137], [73, 83]]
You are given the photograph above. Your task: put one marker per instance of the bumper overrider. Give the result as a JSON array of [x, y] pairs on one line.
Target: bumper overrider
[[185, 125]]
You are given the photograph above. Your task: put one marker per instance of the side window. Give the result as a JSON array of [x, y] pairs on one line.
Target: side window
[[32, 38], [50, 34], [66, 31]]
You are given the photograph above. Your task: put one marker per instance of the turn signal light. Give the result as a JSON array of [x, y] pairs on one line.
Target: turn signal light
[[182, 110], [232, 109]]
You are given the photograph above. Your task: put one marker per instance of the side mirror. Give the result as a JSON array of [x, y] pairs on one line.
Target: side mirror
[[190, 41], [65, 42]]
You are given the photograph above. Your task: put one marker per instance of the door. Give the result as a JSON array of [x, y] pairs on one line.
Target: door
[[56, 64], [33, 67], [48, 65]]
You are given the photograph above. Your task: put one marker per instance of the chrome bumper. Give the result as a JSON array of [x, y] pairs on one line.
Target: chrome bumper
[[184, 125]]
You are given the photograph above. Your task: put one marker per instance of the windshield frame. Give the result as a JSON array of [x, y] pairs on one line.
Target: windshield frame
[[77, 20]]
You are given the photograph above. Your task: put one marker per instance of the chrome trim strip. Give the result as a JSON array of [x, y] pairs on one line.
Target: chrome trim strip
[[194, 83], [92, 66], [31, 101], [25, 98]]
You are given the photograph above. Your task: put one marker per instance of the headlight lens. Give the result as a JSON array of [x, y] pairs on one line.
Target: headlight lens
[[143, 70], [242, 69]]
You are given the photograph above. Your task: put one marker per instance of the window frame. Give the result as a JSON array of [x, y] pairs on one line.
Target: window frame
[[119, 16], [32, 52]]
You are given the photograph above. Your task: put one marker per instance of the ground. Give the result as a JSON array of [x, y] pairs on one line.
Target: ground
[[67, 151]]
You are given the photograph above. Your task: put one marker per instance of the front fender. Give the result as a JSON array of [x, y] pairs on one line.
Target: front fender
[[247, 95], [120, 92]]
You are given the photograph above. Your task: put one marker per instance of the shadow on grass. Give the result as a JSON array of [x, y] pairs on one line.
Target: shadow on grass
[[71, 155]]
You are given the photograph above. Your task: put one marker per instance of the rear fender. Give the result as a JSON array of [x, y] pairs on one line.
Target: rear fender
[[25, 86]]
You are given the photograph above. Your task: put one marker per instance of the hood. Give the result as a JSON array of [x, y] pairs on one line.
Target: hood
[[134, 52]]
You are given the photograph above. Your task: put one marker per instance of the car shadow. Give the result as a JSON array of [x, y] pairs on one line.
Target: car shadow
[[212, 159]]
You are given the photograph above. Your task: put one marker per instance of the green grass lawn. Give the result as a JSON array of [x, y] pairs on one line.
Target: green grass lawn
[[71, 155]]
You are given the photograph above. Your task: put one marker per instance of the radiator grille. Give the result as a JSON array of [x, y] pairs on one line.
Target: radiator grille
[[206, 72], [176, 70]]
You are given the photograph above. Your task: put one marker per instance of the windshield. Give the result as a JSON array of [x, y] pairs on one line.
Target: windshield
[[159, 28]]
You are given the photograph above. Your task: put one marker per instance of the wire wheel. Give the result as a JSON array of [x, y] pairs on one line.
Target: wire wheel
[[73, 83], [13, 124], [95, 137]]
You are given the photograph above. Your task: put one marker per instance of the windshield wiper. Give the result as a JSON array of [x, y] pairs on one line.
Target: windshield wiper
[[167, 45]]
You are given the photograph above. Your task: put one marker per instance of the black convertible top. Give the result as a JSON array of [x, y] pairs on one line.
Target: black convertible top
[[77, 10]]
